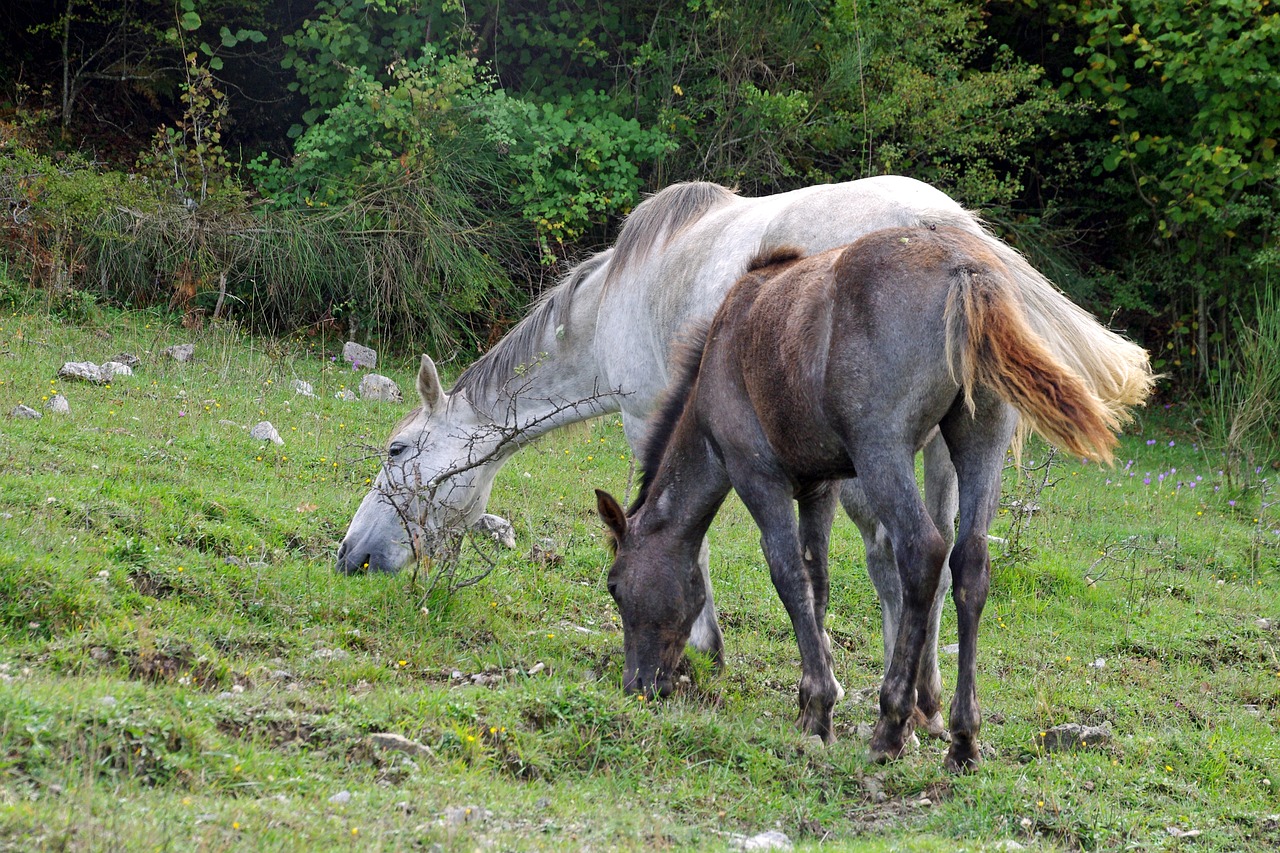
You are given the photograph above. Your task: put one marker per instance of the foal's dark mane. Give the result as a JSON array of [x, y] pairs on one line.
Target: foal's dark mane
[[686, 360]]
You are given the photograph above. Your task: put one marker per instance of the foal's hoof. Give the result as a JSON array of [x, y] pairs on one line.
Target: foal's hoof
[[887, 746], [962, 761]]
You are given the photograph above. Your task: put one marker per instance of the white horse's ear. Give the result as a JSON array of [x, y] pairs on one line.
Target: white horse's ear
[[429, 387], [611, 513]]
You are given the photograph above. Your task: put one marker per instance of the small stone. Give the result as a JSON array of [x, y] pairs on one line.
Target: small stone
[[264, 431], [112, 369], [498, 528], [953, 649], [1008, 844], [1069, 736], [359, 356], [303, 388], [25, 413], [1100, 663], [128, 359], [108, 700], [770, 840], [341, 798], [400, 743], [346, 395], [458, 815], [58, 405], [280, 675], [537, 668], [375, 386], [83, 371], [1264, 624], [180, 352]]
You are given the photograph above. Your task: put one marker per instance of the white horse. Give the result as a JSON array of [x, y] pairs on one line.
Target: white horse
[[600, 341]]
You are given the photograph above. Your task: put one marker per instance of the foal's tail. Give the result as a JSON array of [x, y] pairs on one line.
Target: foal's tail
[[1115, 370], [990, 342]]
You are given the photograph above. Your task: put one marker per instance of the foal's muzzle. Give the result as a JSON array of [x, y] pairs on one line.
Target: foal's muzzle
[[654, 685]]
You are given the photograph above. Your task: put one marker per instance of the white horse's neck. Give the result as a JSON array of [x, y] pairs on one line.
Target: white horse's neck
[[543, 374]]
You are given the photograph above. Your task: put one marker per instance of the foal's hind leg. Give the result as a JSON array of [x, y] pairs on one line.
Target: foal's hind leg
[[978, 443], [940, 499], [888, 480]]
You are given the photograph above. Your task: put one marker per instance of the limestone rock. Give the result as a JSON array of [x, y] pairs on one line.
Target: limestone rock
[[83, 371], [180, 352], [1069, 736], [264, 431], [374, 386], [359, 356], [498, 529]]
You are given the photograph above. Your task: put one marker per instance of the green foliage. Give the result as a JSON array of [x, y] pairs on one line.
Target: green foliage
[[369, 35], [578, 162], [1191, 93]]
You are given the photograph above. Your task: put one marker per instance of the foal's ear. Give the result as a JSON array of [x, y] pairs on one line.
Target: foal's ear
[[429, 387], [615, 520]]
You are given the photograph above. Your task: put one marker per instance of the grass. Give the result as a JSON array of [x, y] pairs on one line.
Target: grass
[[181, 668]]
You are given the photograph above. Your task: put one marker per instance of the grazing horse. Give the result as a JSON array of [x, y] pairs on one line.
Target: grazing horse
[[834, 366], [599, 342]]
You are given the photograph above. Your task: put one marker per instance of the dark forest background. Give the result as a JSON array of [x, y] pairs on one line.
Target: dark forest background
[[415, 172]]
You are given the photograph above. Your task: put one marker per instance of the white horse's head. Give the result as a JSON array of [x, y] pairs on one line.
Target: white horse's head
[[440, 464]]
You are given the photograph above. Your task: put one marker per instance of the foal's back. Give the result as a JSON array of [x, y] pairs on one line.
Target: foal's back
[[814, 355]]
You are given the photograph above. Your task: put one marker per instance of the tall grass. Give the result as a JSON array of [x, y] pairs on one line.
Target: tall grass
[[1243, 407], [412, 261]]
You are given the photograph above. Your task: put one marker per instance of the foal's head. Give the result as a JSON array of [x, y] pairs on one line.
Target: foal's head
[[659, 591]]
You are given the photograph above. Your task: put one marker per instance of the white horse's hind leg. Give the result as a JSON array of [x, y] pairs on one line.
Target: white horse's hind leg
[[706, 636], [941, 500]]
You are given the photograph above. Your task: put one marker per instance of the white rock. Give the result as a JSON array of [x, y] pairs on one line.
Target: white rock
[[771, 840], [25, 413], [498, 528], [58, 405], [359, 356], [303, 388], [374, 386], [85, 371], [112, 369], [180, 352], [346, 395], [264, 431], [341, 798]]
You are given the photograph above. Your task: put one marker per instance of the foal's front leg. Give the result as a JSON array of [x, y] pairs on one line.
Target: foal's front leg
[[802, 585]]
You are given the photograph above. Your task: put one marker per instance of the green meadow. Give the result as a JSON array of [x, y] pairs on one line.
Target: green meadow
[[182, 669]]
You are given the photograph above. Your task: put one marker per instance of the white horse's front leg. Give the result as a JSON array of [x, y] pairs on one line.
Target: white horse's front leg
[[706, 636]]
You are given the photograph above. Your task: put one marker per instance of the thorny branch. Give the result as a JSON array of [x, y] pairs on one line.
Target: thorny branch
[[438, 553]]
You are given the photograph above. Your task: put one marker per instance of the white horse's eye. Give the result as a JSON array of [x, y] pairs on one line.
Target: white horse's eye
[[397, 449]]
